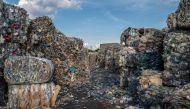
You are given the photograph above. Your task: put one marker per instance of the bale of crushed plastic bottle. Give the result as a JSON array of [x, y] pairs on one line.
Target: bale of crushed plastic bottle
[[36, 96], [180, 19], [148, 43], [177, 58], [45, 41], [14, 22], [27, 70], [130, 37], [143, 39], [151, 60], [150, 77], [128, 62]]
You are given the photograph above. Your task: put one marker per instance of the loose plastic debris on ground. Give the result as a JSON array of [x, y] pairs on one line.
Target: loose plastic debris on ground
[[149, 69]]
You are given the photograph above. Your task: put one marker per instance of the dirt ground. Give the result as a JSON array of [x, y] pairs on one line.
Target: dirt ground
[[78, 97]]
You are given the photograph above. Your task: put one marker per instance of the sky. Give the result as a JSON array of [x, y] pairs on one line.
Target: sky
[[100, 21]]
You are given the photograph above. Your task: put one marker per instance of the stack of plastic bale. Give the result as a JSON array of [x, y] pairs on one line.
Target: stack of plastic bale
[[83, 68], [180, 19], [130, 37], [151, 90], [112, 58], [47, 42], [177, 47], [82, 60], [13, 31], [101, 59], [72, 49], [148, 43], [177, 57], [41, 37], [109, 56], [92, 60], [109, 60], [150, 59], [151, 48], [128, 64], [29, 83], [116, 57], [148, 47]]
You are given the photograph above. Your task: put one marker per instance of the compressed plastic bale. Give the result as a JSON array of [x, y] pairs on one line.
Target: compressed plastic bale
[[27, 70], [45, 41], [143, 39], [130, 37], [172, 20], [42, 30], [12, 97], [150, 77], [128, 64], [35, 96], [46, 93], [176, 78], [55, 91], [151, 41], [111, 57], [176, 58], [14, 24], [93, 60], [23, 97], [180, 19], [149, 46], [151, 60]]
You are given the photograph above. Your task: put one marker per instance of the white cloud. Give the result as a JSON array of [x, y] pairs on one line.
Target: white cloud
[[86, 44], [47, 7], [92, 46]]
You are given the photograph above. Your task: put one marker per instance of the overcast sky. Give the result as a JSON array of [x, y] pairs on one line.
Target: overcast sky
[[100, 21]]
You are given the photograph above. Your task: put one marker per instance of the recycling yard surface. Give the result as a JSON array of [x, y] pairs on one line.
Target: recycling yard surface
[[100, 92]]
